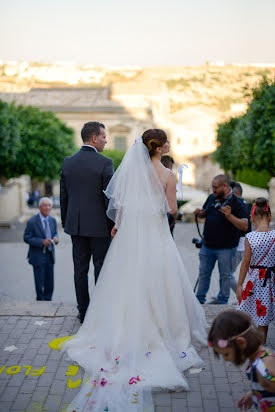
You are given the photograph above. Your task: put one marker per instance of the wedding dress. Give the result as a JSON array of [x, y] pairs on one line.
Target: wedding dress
[[143, 319]]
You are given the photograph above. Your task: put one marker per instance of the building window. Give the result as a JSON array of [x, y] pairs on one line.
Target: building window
[[121, 143]]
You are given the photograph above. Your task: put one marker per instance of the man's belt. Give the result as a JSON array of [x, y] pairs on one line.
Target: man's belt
[[264, 272]]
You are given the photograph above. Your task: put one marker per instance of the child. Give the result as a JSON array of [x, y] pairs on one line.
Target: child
[[256, 296], [235, 337]]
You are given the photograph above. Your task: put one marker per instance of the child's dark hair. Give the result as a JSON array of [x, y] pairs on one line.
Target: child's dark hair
[[230, 324], [260, 208], [167, 161]]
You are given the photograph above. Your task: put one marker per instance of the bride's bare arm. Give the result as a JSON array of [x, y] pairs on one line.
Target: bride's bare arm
[[171, 194], [117, 222]]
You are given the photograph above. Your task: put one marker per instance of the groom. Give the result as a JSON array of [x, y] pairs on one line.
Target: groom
[[83, 178]]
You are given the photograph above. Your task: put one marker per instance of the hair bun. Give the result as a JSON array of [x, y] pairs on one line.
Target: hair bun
[[261, 202]]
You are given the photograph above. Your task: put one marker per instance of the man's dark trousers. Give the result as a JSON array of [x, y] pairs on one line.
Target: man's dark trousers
[[83, 248], [43, 276]]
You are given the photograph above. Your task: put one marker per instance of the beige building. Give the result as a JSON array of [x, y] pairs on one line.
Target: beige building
[[76, 106]]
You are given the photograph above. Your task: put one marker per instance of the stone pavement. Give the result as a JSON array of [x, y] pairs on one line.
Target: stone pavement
[[35, 378]]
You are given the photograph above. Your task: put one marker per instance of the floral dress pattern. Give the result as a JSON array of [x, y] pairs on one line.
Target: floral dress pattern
[[259, 287], [264, 401]]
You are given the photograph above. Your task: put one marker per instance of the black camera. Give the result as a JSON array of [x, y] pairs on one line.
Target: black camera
[[197, 242], [218, 205]]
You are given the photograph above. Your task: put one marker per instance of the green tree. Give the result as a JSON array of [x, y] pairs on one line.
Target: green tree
[[248, 142], [115, 155], [45, 141], [9, 139]]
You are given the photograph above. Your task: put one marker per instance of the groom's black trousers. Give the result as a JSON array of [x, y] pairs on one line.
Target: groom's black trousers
[[83, 248]]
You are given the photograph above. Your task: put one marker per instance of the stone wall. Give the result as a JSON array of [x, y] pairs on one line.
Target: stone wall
[[13, 199]]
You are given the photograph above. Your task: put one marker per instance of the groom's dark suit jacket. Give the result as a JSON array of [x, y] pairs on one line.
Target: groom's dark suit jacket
[[83, 204]]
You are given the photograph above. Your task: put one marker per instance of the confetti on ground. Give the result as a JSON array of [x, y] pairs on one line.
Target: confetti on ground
[[40, 322], [195, 370], [10, 348]]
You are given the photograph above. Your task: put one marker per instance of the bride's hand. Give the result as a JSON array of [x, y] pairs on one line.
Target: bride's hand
[[113, 231]]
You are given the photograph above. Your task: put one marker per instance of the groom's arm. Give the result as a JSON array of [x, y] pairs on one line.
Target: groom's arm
[[63, 198], [107, 174]]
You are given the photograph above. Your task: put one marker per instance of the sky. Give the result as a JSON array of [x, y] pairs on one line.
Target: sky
[[142, 32]]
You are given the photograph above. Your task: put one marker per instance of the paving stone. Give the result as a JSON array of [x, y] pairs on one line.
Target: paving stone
[[162, 399], [219, 371], [55, 355], [3, 357], [22, 324], [225, 399], [40, 360], [40, 333], [208, 392], [179, 405], [234, 377], [194, 383], [36, 343], [12, 320], [206, 378], [5, 406], [210, 405], [58, 321], [3, 337], [29, 354], [40, 394], [13, 359], [46, 379], [28, 386], [58, 387], [44, 349], [51, 366], [61, 373], [9, 394], [194, 399], [52, 403], [16, 380], [68, 395], [179, 395], [25, 338], [21, 401]]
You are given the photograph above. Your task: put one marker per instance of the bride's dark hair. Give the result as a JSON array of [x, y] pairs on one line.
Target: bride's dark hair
[[154, 138]]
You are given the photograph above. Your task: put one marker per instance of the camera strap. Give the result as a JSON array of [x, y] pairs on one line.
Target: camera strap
[[197, 223]]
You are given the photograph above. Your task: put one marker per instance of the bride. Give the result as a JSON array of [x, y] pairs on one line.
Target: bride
[[144, 318]]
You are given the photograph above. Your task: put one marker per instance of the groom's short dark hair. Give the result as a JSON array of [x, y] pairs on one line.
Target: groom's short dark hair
[[91, 129]]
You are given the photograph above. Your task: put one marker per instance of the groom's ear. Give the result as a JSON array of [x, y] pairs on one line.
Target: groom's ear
[[94, 138]]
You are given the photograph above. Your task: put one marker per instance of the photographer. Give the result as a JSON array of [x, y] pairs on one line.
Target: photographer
[[225, 218]]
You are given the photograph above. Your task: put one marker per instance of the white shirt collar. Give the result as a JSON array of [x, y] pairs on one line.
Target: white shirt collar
[[88, 145], [43, 217]]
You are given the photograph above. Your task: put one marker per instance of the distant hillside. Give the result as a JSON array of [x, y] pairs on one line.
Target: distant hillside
[[219, 87]]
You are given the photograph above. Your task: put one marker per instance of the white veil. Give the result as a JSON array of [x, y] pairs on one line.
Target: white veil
[[136, 187]]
